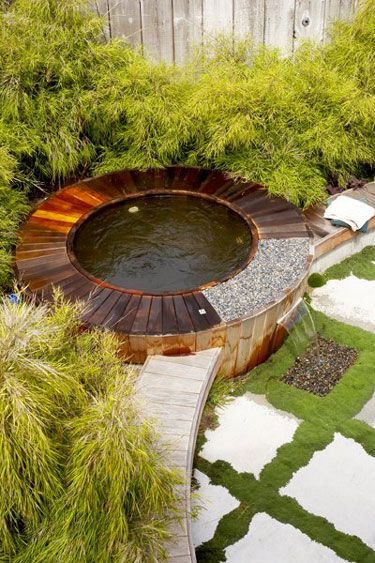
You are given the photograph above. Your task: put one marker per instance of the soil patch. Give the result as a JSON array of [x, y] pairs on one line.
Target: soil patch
[[321, 367]]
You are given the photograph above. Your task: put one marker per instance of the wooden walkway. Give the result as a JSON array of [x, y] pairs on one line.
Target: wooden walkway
[[175, 390]]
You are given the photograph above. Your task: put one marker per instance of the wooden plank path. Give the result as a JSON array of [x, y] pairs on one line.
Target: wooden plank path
[[174, 390]]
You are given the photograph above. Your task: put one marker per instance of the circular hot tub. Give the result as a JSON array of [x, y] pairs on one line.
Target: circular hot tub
[[163, 243], [174, 261]]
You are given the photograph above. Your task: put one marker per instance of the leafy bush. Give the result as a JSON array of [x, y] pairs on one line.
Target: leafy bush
[[70, 100], [72, 103], [292, 124], [13, 206], [81, 473], [316, 280]]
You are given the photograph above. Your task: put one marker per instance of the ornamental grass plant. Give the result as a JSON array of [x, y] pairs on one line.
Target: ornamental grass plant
[[70, 102], [82, 476], [73, 104]]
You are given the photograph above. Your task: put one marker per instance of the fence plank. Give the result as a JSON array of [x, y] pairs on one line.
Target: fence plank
[[249, 19], [169, 29], [125, 17], [188, 29], [346, 9], [332, 13], [279, 24], [100, 7], [157, 26], [217, 18], [309, 20]]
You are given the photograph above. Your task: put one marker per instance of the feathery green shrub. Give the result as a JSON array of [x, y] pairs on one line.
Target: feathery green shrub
[[72, 104], [72, 100], [82, 476]]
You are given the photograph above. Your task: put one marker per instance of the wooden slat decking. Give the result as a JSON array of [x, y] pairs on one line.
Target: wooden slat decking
[[44, 255], [157, 323], [174, 390], [326, 236]]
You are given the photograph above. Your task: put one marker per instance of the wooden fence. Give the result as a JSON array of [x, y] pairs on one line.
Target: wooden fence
[[167, 30]]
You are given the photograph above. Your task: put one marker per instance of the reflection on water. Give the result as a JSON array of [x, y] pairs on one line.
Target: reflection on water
[[170, 243]]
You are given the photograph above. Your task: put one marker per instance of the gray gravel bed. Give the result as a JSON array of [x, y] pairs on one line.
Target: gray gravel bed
[[277, 265]]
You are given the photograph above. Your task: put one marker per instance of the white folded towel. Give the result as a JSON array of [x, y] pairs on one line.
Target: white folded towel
[[352, 211]]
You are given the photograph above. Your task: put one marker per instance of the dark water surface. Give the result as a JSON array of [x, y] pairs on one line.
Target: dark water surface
[[171, 243]]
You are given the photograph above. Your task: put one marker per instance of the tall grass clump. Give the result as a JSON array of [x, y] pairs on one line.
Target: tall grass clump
[[293, 124], [75, 102], [13, 206], [82, 476], [72, 103], [47, 49]]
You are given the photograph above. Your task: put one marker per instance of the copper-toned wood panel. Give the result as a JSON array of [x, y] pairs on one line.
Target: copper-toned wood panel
[[174, 178], [159, 178], [102, 185], [35, 252], [95, 307], [58, 226], [281, 218], [253, 199], [231, 349], [183, 178], [62, 279], [54, 216], [183, 317], [277, 212], [106, 315], [211, 314], [41, 246], [142, 179], [169, 316], [60, 215], [30, 235], [141, 319], [50, 275], [59, 205], [84, 194], [72, 280], [30, 257], [192, 177], [240, 190], [282, 234], [72, 197], [82, 290], [42, 267], [126, 323], [118, 310], [76, 289], [281, 231], [213, 183], [155, 325], [123, 181], [230, 188], [199, 321]]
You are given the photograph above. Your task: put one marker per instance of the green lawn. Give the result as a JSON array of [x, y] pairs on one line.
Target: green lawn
[[321, 418]]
